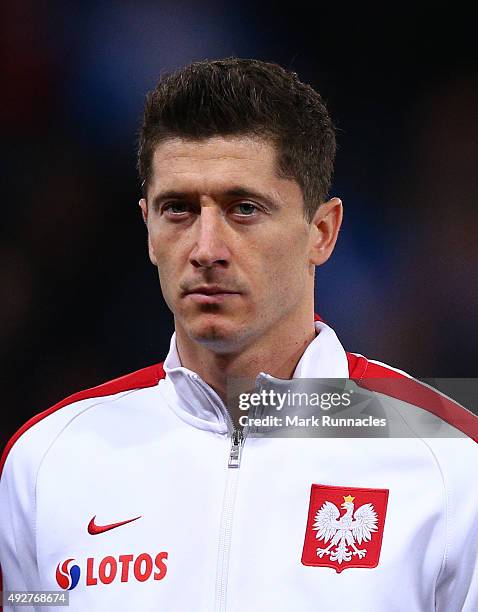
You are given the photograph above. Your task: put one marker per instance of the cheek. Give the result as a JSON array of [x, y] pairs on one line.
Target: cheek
[[289, 250], [285, 268], [165, 258], [166, 250]]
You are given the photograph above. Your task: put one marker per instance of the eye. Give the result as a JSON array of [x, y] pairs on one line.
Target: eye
[[175, 209], [245, 209]]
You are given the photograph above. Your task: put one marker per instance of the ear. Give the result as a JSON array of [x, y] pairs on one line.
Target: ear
[[325, 229], [144, 209], [143, 204]]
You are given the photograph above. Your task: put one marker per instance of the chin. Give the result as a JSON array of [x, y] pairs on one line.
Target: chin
[[214, 336], [220, 336]]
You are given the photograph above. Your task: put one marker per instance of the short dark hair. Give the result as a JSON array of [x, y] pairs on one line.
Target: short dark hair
[[235, 96]]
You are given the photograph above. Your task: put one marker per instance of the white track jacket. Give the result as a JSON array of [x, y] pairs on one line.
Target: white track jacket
[[136, 496]]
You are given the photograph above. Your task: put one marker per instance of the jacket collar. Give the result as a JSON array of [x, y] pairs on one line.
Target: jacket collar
[[198, 404]]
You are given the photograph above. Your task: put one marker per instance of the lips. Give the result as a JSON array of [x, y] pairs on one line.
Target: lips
[[210, 290], [209, 294]]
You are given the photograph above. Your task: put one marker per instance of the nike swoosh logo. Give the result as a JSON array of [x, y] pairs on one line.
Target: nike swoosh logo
[[94, 529]]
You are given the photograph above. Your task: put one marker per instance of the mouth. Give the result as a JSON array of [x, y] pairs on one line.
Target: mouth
[[209, 294]]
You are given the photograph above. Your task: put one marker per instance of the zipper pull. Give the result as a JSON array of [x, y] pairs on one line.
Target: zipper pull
[[237, 439]]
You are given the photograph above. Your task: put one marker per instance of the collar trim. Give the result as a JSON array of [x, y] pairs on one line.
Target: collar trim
[[198, 404]]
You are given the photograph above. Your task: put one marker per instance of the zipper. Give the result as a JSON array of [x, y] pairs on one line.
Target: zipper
[[234, 461], [237, 441], [225, 540], [232, 475]]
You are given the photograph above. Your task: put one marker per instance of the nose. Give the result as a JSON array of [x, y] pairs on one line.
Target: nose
[[210, 247]]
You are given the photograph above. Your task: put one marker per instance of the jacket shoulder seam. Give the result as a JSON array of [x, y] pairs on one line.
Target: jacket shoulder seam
[[419, 394], [146, 377]]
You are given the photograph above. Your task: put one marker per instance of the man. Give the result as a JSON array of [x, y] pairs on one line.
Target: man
[[144, 493]]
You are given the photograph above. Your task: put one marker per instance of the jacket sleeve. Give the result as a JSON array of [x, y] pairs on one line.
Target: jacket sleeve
[[457, 584], [17, 542]]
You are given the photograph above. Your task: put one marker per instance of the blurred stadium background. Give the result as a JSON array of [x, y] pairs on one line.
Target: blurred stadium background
[[80, 301]]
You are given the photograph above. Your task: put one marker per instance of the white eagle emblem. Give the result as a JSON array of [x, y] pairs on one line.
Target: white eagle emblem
[[344, 530]]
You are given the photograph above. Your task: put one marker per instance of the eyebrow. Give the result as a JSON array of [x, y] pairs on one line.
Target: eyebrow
[[232, 192]]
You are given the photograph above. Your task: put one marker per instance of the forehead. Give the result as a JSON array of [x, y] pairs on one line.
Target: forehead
[[216, 162]]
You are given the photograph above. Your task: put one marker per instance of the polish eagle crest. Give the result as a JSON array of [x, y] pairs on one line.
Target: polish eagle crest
[[345, 531]]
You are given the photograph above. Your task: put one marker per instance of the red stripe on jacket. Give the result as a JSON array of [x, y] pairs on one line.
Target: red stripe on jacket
[[380, 378], [146, 377]]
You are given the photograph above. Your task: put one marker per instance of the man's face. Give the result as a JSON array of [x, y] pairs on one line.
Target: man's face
[[229, 238]]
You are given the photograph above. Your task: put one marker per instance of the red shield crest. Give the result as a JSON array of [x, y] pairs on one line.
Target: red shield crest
[[344, 527]]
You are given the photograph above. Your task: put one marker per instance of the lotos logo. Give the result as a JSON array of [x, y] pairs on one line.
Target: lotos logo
[[67, 578], [122, 568]]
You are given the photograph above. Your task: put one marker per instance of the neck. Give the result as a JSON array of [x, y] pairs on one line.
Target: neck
[[276, 352]]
